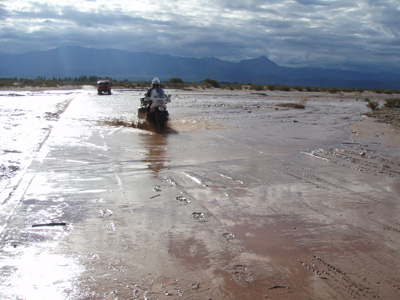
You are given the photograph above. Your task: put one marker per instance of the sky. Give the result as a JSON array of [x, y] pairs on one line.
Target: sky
[[294, 33]]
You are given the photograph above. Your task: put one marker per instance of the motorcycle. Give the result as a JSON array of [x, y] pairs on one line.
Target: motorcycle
[[155, 110]]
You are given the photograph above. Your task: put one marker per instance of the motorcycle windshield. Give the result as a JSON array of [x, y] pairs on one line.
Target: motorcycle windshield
[[157, 93]]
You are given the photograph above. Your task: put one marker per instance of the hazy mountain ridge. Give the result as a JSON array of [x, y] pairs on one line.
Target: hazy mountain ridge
[[76, 61]]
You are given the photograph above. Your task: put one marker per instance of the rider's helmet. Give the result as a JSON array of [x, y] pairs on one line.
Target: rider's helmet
[[155, 82]]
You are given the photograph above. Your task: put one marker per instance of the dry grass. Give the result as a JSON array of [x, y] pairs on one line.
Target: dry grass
[[387, 115], [299, 105]]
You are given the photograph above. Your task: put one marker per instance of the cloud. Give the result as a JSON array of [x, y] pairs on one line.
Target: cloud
[[292, 33], [313, 2]]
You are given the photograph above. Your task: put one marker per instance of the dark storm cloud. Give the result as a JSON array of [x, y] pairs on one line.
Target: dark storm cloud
[[295, 33]]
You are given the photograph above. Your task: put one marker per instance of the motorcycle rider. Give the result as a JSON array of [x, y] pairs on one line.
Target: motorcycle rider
[[155, 91]]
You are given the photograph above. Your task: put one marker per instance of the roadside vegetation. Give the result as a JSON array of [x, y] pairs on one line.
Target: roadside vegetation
[[176, 83], [388, 113], [300, 105]]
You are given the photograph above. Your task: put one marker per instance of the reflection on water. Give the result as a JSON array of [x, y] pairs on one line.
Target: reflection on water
[[25, 123], [156, 157], [35, 273]]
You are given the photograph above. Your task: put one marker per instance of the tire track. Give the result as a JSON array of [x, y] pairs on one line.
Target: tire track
[[338, 278]]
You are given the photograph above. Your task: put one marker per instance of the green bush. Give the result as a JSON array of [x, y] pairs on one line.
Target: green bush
[[284, 88], [391, 92], [392, 103], [211, 82], [175, 82], [333, 90], [348, 90], [233, 86], [378, 91], [7, 82], [298, 88], [257, 87], [372, 104]]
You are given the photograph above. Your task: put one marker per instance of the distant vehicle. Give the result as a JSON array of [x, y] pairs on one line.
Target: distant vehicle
[[155, 110], [104, 86]]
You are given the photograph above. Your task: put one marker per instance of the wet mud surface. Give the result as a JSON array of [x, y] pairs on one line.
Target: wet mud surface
[[240, 197]]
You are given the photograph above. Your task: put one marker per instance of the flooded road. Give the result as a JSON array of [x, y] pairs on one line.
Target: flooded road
[[239, 198]]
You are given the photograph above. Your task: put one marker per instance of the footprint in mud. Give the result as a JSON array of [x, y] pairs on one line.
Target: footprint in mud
[[182, 199], [105, 213], [242, 274], [169, 180], [240, 268], [157, 188], [198, 215], [229, 236], [109, 227]]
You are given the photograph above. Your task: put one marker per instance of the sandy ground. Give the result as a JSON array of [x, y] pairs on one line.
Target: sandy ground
[[238, 199]]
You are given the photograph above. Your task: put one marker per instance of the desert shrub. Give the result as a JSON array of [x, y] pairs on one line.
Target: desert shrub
[[49, 83], [298, 88], [333, 90], [175, 82], [211, 82], [7, 82], [271, 87], [257, 87], [392, 103], [312, 89], [284, 88], [125, 84], [348, 90], [372, 104], [233, 86], [378, 91], [390, 92], [292, 105], [194, 85]]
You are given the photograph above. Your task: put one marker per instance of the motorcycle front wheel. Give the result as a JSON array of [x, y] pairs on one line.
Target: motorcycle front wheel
[[160, 119]]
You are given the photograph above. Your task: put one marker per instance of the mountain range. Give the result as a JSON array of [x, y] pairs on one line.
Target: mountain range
[[75, 61]]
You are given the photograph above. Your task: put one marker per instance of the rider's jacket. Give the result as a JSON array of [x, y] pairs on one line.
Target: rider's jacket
[[155, 93]]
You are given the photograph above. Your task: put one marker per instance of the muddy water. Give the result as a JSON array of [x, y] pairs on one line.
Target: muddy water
[[237, 199]]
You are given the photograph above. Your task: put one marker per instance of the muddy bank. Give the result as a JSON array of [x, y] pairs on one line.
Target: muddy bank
[[387, 115]]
